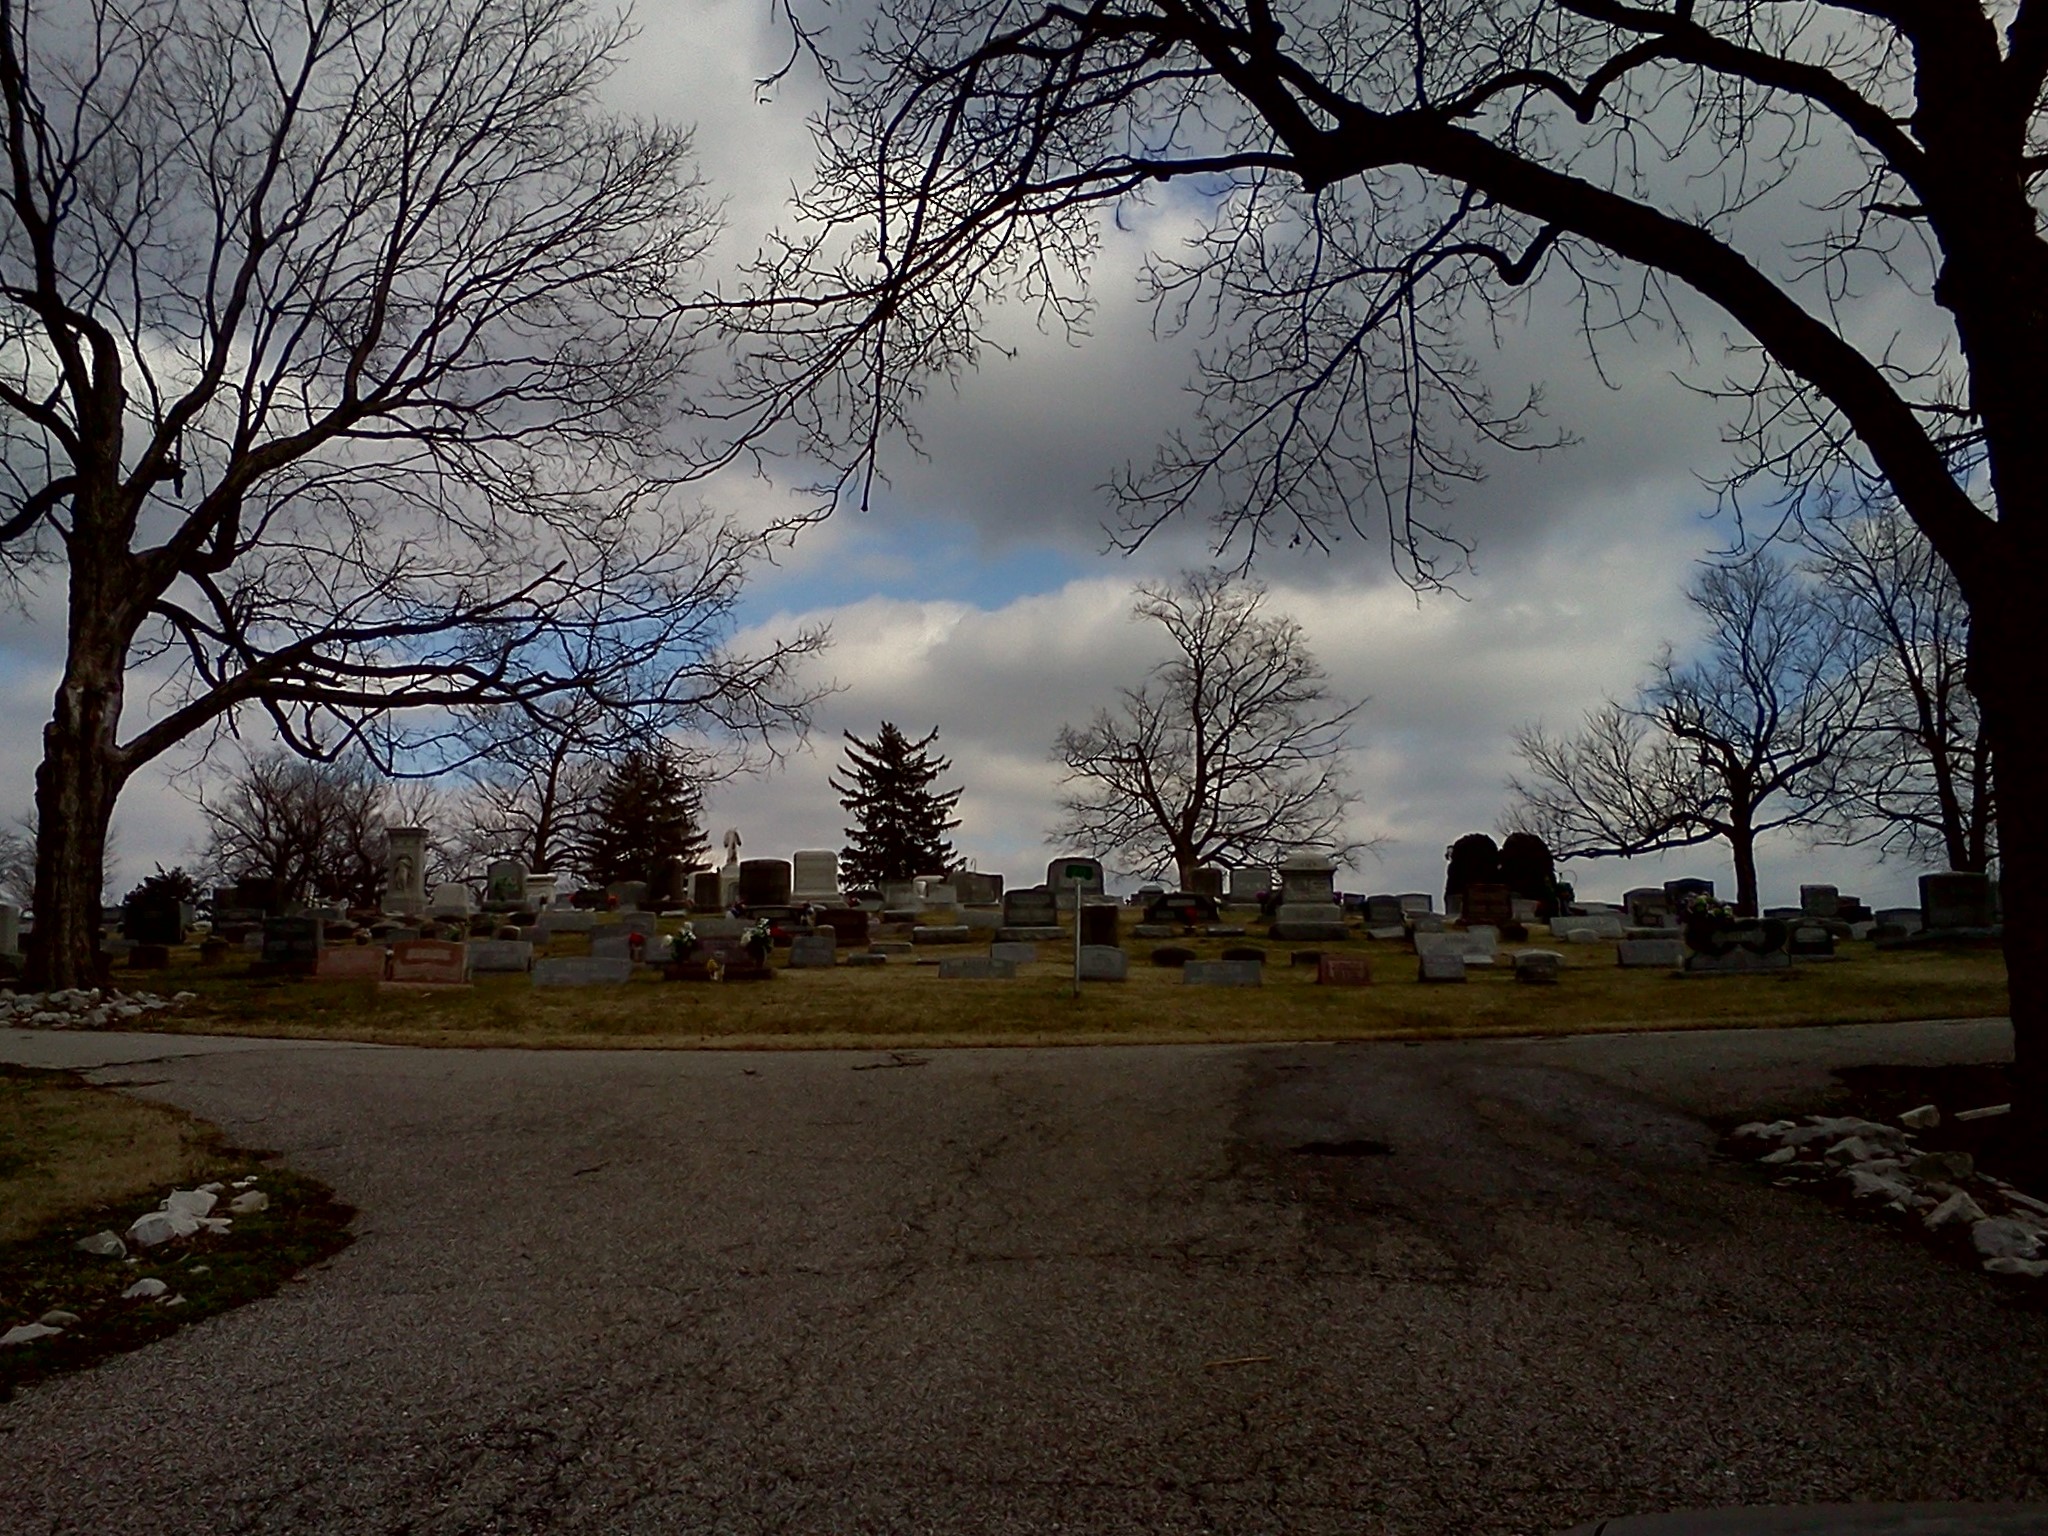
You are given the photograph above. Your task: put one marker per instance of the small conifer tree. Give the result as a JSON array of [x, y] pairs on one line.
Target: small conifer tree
[[648, 813], [900, 821]]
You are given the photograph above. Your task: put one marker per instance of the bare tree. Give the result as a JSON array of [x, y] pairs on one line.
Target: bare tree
[[1920, 785], [1753, 734], [18, 864], [340, 347], [531, 784], [1855, 188], [311, 828], [1232, 748]]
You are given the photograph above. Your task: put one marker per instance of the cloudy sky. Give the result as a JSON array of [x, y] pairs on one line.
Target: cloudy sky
[[975, 595]]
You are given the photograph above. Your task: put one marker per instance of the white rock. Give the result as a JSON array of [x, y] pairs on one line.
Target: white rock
[[1864, 1185], [1986, 1113], [27, 1333], [59, 1318], [213, 1189], [1852, 1150], [1999, 1237], [193, 1202], [215, 1224], [1925, 1118], [2033, 1269], [145, 1290], [250, 1203], [1957, 1207], [105, 1245], [156, 1227], [1756, 1130], [1782, 1155]]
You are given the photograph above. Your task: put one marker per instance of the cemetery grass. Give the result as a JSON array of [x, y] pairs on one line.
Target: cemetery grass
[[77, 1159], [907, 1005]]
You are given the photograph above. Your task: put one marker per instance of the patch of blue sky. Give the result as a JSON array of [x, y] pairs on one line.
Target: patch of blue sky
[[923, 560]]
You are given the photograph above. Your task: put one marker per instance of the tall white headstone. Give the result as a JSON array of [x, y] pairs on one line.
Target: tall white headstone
[[405, 871]]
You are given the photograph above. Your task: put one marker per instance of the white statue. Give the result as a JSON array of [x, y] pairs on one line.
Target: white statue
[[732, 846]]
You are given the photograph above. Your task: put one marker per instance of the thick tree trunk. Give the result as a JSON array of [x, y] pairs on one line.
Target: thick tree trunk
[[76, 785], [1742, 842], [2003, 658]]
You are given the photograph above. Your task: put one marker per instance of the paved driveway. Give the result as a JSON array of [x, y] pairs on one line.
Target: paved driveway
[[1039, 1291]]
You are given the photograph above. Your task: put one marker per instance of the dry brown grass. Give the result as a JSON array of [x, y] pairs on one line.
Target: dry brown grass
[[66, 1146], [907, 1005]]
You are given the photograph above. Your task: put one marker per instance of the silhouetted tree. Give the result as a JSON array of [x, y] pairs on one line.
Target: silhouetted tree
[[1232, 749], [899, 821], [648, 814]]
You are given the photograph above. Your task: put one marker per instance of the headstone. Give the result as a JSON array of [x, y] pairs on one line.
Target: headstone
[[350, 962], [676, 876], [814, 875], [505, 885], [814, 951], [1525, 909], [1414, 903], [976, 889], [628, 895], [540, 892], [1488, 905], [428, 963], [293, 943], [847, 925], [1343, 971], [405, 871], [1061, 880], [941, 933], [624, 941], [1206, 881], [1221, 973], [563, 920], [939, 893], [901, 896], [1157, 930], [1956, 900], [1810, 941], [896, 947], [976, 968], [10, 929], [1538, 965], [705, 891], [1820, 901], [1249, 883], [1646, 907], [1383, 911], [1650, 954], [500, 955], [1308, 907], [1104, 962], [1675, 891], [1016, 954], [452, 899], [1099, 924], [1906, 920], [868, 957], [1474, 946], [765, 882], [1736, 962], [1588, 927], [1441, 965], [154, 920], [1030, 907], [1172, 956], [581, 971]]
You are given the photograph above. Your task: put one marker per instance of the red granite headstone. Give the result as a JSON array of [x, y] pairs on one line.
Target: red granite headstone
[[1344, 971]]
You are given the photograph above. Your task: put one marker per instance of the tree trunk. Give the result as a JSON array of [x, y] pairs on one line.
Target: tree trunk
[[1742, 842], [76, 785], [2001, 657]]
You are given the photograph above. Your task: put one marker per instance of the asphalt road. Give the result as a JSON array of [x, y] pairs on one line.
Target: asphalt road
[[1039, 1291]]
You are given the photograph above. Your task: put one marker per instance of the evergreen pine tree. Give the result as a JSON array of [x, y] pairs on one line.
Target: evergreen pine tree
[[900, 822], [647, 814]]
